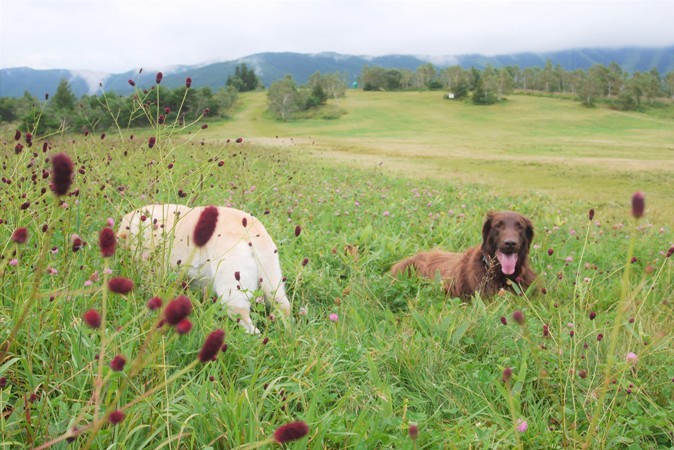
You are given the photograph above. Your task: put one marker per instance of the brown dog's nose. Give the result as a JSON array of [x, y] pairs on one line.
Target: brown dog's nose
[[510, 243]]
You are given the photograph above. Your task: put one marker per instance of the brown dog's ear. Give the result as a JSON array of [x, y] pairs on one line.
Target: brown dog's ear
[[529, 230], [486, 228]]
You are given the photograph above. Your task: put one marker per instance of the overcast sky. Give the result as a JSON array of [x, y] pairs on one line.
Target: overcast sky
[[120, 35]]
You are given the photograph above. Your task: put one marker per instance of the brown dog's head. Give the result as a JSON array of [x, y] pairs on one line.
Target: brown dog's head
[[506, 236]]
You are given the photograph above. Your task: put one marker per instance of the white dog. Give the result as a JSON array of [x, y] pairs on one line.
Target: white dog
[[239, 258]]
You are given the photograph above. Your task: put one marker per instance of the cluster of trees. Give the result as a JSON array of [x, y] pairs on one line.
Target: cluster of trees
[[64, 111], [286, 99], [244, 79], [624, 90]]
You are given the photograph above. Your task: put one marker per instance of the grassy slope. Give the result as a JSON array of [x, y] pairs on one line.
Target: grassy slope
[[527, 143]]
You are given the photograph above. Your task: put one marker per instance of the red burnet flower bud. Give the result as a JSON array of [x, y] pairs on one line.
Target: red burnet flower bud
[[507, 374], [239, 140], [151, 141], [184, 326], [117, 364], [550, 252], [132, 83], [212, 346], [107, 241], [413, 432], [17, 135], [518, 316], [18, 148], [62, 173], [504, 321], [154, 303], [92, 318], [205, 226], [20, 235], [159, 77], [161, 119], [593, 315], [298, 231], [204, 126], [167, 110], [291, 432], [102, 136], [177, 309], [120, 285], [188, 82], [590, 214], [638, 204], [116, 417]]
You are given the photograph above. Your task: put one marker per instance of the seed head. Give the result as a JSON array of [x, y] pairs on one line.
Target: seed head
[[291, 432], [205, 226], [62, 173], [212, 346], [107, 242], [177, 310], [120, 285], [92, 318], [638, 204], [20, 235]]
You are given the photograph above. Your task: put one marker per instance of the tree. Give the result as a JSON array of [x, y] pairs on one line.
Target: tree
[[591, 86], [425, 74], [284, 98], [244, 79], [64, 99], [669, 82]]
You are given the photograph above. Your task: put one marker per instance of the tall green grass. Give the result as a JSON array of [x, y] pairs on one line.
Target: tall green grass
[[399, 352]]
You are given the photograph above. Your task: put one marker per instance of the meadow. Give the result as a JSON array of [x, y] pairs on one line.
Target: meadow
[[365, 361]]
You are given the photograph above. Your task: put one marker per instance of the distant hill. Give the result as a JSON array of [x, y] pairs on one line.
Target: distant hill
[[273, 66]]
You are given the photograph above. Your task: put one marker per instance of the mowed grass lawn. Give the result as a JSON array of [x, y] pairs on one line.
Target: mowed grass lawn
[[548, 145]]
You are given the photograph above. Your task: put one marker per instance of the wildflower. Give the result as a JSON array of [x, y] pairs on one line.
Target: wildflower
[[151, 141], [291, 432], [117, 364], [518, 316], [600, 337], [237, 275], [305, 261], [507, 374], [132, 83], [184, 326], [632, 358], [212, 346], [116, 417], [120, 285], [3, 382], [107, 242], [62, 173], [550, 252], [239, 140], [154, 303], [591, 214], [522, 425], [504, 321], [386, 214], [177, 310], [188, 82], [18, 148], [92, 318], [204, 126], [161, 119], [205, 226], [167, 110], [333, 317], [298, 230], [20, 235], [159, 77], [670, 252], [17, 135], [546, 330], [14, 262], [638, 204], [102, 136], [413, 432], [593, 315]]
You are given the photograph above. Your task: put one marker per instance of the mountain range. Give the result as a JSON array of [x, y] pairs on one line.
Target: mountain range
[[273, 66]]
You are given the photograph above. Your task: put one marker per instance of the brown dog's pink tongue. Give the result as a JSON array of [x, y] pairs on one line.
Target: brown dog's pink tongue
[[508, 262]]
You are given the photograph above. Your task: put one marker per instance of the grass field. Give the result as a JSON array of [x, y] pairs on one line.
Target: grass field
[[363, 357]]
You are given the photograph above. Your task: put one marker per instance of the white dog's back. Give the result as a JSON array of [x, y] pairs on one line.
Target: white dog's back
[[239, 257]]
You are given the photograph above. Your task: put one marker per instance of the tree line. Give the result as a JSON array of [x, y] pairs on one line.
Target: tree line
[[624, 90]]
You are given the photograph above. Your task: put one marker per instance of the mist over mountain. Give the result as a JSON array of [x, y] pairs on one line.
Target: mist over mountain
[[270, 67]]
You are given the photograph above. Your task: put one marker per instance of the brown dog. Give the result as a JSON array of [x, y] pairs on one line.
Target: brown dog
[[503, 256]]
